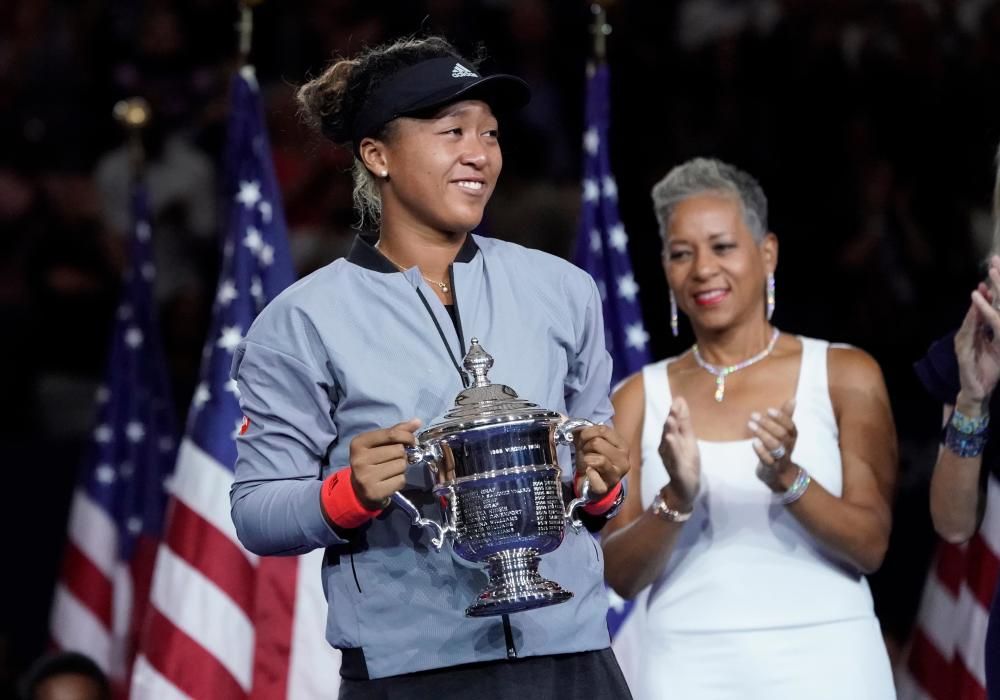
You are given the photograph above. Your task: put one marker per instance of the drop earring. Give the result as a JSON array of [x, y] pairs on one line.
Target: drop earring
[[673, 314], [770, 295]]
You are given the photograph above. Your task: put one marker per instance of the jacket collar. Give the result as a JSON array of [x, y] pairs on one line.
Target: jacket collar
[[364, 253]]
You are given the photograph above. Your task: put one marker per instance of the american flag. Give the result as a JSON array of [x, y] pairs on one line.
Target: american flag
[[116, 516], [602, 244], [222, 622], [947, 655], [602, 250]]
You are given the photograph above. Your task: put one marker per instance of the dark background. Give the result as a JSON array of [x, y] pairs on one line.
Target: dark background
[[872, 126]]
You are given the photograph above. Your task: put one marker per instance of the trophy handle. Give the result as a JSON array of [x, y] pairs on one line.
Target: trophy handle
[[564, 436], [439, 531], [566, 429], [582, 500], [415, 455]]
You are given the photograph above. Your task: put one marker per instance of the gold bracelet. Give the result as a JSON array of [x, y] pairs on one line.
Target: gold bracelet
[[661, 510]]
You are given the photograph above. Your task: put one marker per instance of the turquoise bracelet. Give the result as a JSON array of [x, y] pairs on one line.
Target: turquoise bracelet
[[965, 436]]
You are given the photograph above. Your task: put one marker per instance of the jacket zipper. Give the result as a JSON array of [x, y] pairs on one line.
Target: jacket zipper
[[508, 636]]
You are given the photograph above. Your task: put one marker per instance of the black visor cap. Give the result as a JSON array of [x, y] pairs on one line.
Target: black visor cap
[[420, 89]]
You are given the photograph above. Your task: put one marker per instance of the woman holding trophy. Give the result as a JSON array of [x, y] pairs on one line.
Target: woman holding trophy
[[339, 373], [763, 466]]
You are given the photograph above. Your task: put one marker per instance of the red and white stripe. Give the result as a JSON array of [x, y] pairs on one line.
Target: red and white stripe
[[224, 623], [947, 655], [99, 600]]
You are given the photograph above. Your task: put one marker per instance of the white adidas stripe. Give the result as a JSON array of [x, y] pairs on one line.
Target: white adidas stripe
[[197, 606], [203, 485], [94, 533], [148, 683], [460, 71]]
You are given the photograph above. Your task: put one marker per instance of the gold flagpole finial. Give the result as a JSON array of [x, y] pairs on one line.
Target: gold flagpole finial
[[134, 114], [244, 28], [600, 29]]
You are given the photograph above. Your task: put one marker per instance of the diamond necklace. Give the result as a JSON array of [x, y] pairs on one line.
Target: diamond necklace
[[443, 285], [720, 373]]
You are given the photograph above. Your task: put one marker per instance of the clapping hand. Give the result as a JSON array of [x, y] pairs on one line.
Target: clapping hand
[[680, 455], [774, 439], [977, 343]]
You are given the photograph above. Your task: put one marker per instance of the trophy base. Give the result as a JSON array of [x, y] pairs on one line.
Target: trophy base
[[516, 585]]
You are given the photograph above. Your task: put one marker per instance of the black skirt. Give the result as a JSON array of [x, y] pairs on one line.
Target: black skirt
[[594, 675]]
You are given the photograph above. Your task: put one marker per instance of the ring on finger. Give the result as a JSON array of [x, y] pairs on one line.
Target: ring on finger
[[778, 452]]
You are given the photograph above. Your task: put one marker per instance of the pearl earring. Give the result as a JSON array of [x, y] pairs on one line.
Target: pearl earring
[[384, 173]]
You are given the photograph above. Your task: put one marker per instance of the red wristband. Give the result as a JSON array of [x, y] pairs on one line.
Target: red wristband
[[604, 504], [341, 504]]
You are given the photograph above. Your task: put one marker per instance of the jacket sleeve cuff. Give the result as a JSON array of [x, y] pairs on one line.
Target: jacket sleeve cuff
[[341, 505]]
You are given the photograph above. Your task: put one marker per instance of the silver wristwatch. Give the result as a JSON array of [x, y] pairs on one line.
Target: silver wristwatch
[[661, 510]]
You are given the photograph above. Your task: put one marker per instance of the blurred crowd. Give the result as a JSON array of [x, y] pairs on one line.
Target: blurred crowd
[[871, 125]]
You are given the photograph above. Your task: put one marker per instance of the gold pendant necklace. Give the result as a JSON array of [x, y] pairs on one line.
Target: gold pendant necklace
[[443, 285], [721, 372]]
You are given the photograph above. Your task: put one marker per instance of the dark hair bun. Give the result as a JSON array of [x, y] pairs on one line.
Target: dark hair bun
[[325, 103], [331, 102]]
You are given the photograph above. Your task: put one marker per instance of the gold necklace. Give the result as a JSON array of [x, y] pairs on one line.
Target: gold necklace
[[443, 285], [720, 372]]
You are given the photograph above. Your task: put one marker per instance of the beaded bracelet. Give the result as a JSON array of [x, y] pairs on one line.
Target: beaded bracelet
[[798, 487], [966, 436]]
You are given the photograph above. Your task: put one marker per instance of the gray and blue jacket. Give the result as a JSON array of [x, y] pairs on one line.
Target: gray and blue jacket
[[357, 346]]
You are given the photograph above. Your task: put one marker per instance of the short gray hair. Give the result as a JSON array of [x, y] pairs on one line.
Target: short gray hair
[[709, 176]]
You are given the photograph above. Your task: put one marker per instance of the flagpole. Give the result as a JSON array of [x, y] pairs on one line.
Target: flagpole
[[600, 29], [134, 114], [244, 29]]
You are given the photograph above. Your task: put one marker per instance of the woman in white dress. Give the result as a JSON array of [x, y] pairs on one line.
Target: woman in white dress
[[763, 466]]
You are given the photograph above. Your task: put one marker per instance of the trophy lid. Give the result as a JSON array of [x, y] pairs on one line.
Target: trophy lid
[[484, 403]]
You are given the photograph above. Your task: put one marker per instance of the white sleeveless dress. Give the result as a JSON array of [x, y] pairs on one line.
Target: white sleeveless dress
[[749, 606]]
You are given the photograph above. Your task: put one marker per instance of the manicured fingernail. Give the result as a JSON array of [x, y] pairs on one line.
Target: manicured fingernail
[[753, 426], [757, 443], [755, 415], [773, 412]]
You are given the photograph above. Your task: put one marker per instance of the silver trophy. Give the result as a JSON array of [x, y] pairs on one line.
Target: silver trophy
[[493, 458]]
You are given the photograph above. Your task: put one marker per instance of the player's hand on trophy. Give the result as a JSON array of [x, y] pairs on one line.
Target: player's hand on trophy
[[602, 456], [378, 462]]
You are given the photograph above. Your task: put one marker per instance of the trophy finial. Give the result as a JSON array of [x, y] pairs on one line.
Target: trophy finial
[[478, 362]]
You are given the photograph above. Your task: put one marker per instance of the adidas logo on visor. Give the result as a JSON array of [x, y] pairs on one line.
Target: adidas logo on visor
[[460, 71]]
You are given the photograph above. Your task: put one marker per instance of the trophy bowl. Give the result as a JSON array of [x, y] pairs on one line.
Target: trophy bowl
[[494, 461]]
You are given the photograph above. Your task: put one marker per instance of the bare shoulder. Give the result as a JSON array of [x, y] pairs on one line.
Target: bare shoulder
[[850, 366], [629, 401], [856, 383], [630, 390]]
